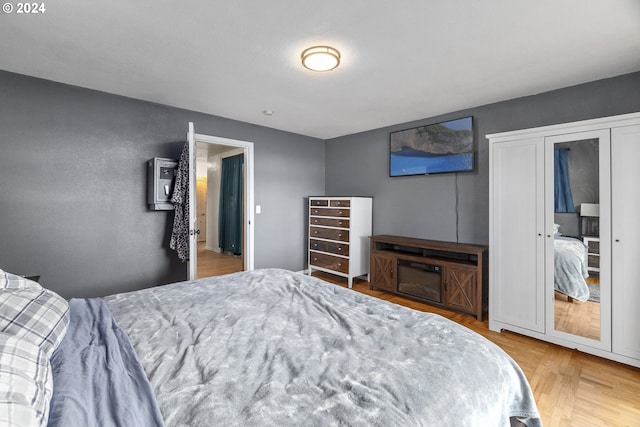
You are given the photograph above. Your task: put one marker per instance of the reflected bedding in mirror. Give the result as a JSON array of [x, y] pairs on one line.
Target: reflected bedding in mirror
[[570, 263]]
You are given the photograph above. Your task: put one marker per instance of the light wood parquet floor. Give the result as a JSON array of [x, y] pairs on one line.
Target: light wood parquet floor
[[571, 388], [575, 317]]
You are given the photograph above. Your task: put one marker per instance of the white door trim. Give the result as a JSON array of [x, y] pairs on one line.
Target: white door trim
[[248, 150]]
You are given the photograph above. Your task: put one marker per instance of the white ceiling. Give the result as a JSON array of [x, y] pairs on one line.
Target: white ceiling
[[401, 61]]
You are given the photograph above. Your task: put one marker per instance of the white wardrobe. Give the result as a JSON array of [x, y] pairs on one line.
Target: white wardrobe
[[523, 294]]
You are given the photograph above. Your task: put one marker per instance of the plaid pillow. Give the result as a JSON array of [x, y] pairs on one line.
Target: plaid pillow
[[39, 315], [26, 384], [12, 281]]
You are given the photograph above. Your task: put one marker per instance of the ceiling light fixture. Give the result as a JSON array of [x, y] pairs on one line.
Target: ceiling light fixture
[[320, 58]]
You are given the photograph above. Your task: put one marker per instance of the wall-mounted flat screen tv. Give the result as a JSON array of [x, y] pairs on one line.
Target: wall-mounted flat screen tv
[[435, 148]]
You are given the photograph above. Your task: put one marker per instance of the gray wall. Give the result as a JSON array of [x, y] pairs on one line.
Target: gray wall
[[425, 206], [73, 179], [73, 187]]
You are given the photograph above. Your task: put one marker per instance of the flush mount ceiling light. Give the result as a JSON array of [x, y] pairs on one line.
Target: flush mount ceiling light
[[320, 58]]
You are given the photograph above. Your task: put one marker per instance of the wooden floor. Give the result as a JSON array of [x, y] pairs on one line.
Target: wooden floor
[[571, 388], [578, 318], [211, 263]]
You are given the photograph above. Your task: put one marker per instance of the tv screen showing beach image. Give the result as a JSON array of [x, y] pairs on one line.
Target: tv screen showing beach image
[[436, 148]]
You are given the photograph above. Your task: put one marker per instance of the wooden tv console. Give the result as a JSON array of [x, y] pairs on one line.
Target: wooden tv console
[[463, 269]]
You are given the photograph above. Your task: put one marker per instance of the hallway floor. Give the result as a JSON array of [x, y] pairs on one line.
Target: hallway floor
[[211, 263]]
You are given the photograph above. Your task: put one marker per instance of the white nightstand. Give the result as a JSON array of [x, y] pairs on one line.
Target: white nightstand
[[593, 253]]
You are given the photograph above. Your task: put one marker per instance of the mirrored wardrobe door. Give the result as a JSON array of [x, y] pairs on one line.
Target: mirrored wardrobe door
[[576, 215]]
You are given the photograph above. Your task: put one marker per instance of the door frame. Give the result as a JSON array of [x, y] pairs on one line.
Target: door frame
[[247, 147]]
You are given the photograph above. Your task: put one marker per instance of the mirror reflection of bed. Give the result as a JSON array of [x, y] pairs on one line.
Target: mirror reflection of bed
[[577, 308]]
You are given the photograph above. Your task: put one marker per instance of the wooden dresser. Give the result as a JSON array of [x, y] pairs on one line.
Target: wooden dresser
[[339, 230]]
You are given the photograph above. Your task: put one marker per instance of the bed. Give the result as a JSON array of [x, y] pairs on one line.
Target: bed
[[272, 347], [570, 267]]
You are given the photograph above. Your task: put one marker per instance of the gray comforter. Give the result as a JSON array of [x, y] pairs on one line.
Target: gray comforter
[[570, 267], [275, 348]]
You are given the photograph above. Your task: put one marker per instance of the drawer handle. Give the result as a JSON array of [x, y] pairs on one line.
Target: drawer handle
[[315, 231], [315, 220], [339, 235], [339, 212], [315, 245], [339, 249], [315, 259], [339, 222]]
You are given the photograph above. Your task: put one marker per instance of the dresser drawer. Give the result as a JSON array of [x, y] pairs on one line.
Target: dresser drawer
[[340, 203], [329, 222], [329, 233], [330, 212], [594, 261], [333, 247], [319, 203], [330, 262], [593, 246]]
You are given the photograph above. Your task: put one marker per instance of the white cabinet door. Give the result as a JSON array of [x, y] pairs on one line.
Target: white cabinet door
[[625, 245], [516, 236]]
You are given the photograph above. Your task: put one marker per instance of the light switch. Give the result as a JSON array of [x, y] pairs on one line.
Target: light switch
[[258, 209]]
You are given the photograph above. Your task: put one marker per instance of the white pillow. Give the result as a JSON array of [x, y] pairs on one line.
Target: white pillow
[[26, 384], [556, 228]]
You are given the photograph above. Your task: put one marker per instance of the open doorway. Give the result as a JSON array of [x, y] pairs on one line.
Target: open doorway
[[214, 256], [211, 253]]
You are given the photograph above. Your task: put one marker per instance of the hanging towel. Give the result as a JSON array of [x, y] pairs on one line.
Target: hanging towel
[[180, 198]]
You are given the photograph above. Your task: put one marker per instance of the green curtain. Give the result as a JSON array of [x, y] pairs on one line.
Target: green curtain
[[230, 217]]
